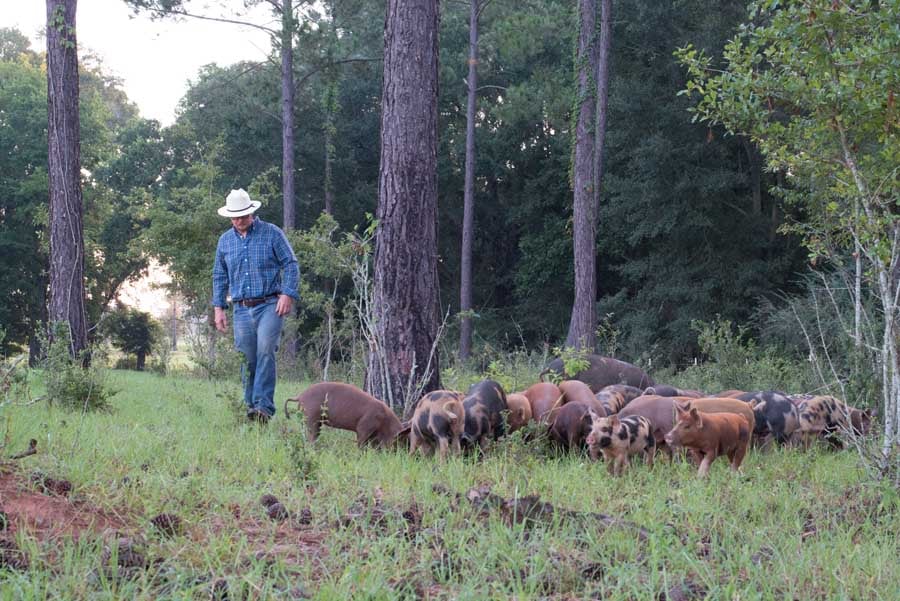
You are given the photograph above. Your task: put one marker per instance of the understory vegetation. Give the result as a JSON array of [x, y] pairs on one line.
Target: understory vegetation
[[166, 491]]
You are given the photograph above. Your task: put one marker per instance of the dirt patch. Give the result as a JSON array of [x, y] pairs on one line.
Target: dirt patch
[[48, 515]]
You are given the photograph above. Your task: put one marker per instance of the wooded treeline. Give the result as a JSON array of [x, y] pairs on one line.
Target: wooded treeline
[[687, 228]]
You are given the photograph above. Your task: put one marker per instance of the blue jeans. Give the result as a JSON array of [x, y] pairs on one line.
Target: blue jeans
[[256, 333]]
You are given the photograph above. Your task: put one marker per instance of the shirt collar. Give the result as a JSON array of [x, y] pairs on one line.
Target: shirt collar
[[249, 229]]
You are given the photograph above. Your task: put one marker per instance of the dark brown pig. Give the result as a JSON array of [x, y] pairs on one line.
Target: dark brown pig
[[543, 397], [709, 435], [666, 390], [519, 411], [439, 420], [484, 406], [616, 396], [348, 408], [730, 394], [602, 371], [619, 439], [572, 425]]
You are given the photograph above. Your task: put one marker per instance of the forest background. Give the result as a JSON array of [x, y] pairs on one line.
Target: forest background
[[687, 230]]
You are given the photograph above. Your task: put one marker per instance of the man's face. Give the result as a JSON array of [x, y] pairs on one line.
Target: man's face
[[242, 224]]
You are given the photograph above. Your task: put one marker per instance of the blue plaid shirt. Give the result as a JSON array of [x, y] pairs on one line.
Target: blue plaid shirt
[[260, 264]]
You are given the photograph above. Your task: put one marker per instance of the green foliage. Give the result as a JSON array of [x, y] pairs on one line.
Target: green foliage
[[816, 326], [680, 234], [69, 383], [133, 332], [813, 84], [733, 360], [607, 336], [574, 360], [213, 354], [301, 455]]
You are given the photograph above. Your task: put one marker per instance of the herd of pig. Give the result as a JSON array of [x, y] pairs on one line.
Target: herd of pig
[[613, 409]]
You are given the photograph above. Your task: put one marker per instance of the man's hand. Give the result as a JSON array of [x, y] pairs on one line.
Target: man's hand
[[285, 303], [221, 320]]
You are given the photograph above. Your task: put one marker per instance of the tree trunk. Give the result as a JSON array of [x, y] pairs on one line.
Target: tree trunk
[[64, 150], [405, 278], [330, 102], [287, 111], [468, 232], [141, 361], [173, 336], [583, 321]]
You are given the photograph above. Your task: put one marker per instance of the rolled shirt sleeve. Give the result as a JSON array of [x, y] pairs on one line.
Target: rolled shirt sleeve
[[290, 277], [220, 278]]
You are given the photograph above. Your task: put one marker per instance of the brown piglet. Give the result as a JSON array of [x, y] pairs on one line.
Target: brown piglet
[[709, 435], [519, 411], [346, 407]]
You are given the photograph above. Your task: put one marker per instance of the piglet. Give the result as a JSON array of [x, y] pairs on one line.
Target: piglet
[[572, 424], [347, 407], [439, 420], [619, 439], [709, 435], [484, 405], [519, 411]]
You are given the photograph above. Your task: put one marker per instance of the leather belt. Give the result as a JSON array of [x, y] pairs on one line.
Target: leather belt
[[253, 302]]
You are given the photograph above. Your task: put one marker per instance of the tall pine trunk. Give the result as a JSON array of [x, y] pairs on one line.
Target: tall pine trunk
[[405, 278], [64, 153], [287, 112], [604, 44], [582, 324], [330, 102], [468, 232]]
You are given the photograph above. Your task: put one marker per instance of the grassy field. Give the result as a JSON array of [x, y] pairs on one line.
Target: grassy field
[[380, 525]]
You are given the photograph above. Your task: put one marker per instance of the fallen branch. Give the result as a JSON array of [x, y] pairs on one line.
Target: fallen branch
[[32, 449]]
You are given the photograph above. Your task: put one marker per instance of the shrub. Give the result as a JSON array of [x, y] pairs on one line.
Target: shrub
[[133, 332], [69, 383], [734, 361]]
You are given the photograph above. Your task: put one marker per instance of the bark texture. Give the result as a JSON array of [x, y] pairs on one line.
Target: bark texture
[[64, 153], [583, 320], [405, 278]]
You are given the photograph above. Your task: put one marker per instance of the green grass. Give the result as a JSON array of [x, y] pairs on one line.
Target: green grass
[[793, 525]]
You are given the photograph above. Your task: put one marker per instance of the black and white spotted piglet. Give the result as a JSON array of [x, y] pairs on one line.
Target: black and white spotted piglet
[[620, 438]]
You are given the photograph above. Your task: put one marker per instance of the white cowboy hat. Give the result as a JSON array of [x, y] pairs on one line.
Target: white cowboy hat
[[238, 204]]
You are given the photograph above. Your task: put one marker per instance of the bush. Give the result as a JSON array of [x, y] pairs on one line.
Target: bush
[[734, 361], [69, 384], [133, 332]]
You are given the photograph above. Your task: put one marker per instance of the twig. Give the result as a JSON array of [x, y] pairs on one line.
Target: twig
[[32, 449]]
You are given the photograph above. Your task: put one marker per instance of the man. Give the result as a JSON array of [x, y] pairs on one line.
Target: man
[[256, 266]]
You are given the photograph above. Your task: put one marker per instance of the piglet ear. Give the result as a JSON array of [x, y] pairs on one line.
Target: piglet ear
[[695, 415], [681, 408]]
